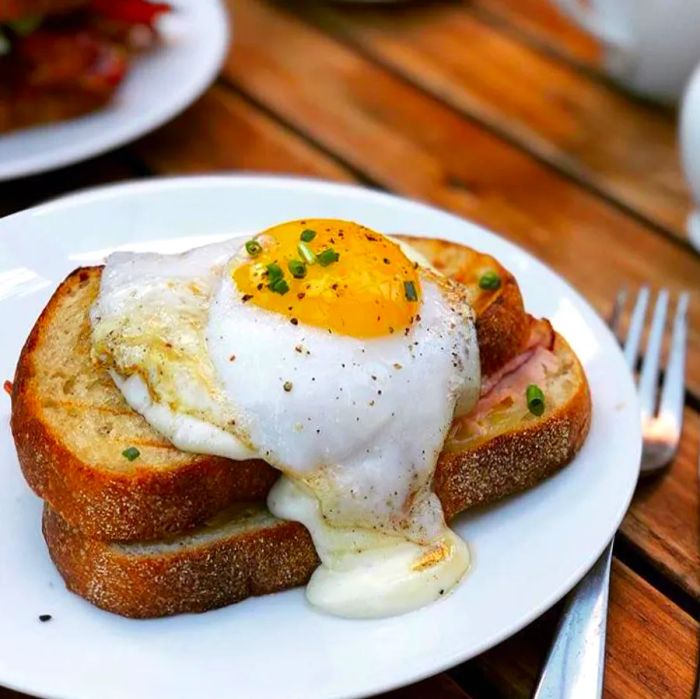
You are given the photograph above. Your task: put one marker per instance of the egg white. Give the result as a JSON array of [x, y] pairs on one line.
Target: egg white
[[355, 425], [146, 302], [360, 421]]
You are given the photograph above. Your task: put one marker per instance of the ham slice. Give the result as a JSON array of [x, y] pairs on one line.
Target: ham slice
[[510, 383], [540, 362], [541, 337]]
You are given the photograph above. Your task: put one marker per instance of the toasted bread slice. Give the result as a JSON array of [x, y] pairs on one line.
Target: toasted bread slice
[[244, 551], [502, 325], [501, 449], [71, 424]]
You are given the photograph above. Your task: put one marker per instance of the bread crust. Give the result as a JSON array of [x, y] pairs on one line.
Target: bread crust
[[518, 459], [225, 570], [139, 505]]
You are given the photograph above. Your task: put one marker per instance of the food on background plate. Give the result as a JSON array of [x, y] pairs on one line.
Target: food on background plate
[[391, 381], [63, 58]]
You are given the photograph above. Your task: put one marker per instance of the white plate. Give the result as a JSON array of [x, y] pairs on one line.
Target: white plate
[[160, 84], [528, 551]]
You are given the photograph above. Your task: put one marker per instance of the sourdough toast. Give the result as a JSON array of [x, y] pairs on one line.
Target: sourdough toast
[[501, 449], [242, 552], [71, 424]]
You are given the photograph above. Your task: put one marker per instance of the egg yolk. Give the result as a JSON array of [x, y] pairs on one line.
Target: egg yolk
[[334, 275]]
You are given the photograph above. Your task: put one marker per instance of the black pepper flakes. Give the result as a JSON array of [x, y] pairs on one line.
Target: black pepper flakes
[[45, 617], [294, 321]]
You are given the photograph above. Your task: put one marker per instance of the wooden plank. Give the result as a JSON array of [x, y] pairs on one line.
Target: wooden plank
[[222, 131], [541, 24], [664, 520], [652, 647], [438, 687], [584, 127], [422, 149]]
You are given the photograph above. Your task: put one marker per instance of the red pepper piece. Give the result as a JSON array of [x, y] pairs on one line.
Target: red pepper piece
[[130, 11]]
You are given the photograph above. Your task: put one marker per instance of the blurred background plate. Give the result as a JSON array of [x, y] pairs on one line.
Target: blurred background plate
[[160, 84]]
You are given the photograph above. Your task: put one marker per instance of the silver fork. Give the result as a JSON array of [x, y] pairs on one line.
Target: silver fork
[[576, 661]]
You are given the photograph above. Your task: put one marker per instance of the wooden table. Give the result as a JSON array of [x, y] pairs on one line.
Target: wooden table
[[496, 110]]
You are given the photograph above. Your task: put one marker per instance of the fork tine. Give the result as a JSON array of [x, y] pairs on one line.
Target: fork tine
[[673, 390], [618, 308], [634, 334], [649, 378]]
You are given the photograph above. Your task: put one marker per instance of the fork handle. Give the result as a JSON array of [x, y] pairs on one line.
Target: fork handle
[[576, 660]]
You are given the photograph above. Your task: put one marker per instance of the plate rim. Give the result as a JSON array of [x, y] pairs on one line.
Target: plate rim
[[124, 189], [99, 145]]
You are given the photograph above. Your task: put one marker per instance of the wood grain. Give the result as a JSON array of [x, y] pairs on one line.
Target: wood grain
[[222, 132], [622, 148], [542, 25], [664, 519], [439, 687], [422, 149], [652, 647]]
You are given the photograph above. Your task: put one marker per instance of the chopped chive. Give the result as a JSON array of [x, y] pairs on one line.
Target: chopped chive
[[279, 286], [490, 280], [535, 399], [307, 235], [287, 386], [131, 453], [274, 272], [25, 26], [410, 291], [306, 253], [297, 268], [327, 257], [253, 248]]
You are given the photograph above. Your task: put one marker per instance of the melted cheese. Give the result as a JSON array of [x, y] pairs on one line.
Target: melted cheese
[[366, 574]]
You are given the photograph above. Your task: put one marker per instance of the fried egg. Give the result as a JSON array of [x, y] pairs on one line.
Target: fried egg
[[332, 352]]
